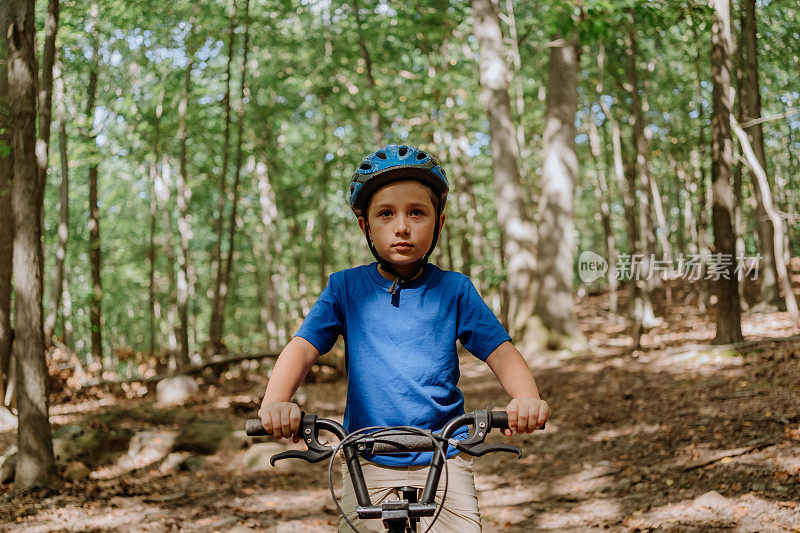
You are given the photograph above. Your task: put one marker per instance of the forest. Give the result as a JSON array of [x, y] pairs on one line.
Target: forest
[[623, 194]]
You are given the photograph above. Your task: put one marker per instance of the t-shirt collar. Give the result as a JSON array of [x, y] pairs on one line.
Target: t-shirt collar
[[372, 270]]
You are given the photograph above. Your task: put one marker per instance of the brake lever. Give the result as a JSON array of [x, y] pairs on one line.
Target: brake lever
[[316, 452], [482, 449], [311, 457], [474, 445]]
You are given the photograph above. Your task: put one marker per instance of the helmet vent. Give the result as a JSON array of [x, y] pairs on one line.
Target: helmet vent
[[381, 155], [402, 151], [365, 166], [421, 155]]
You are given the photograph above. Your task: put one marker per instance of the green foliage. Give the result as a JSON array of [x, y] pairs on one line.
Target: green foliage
[[307, 118]]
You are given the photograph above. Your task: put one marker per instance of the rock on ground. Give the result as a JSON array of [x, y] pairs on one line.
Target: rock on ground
[[76, 471], [176, 390]]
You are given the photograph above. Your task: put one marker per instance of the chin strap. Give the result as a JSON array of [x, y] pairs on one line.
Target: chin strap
[[387, 267]]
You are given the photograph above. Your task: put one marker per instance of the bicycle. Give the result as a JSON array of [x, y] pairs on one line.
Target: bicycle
[[398, 516]]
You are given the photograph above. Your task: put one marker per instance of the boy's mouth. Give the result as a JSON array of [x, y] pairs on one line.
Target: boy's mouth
[[402, 245]]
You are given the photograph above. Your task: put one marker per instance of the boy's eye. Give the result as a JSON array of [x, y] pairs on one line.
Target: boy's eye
[[384, 213], [417, 212]]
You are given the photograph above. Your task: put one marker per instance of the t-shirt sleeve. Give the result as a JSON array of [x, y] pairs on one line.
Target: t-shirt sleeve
[[324, 322], [478, 328]]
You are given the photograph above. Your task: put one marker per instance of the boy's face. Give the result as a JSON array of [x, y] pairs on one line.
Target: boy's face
[[401, 219]]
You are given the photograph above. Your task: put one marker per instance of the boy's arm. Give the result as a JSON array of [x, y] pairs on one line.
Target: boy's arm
[[278, 415], [526, 411]]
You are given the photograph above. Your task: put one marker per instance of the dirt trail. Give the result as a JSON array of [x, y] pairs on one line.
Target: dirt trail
[[668, 438]]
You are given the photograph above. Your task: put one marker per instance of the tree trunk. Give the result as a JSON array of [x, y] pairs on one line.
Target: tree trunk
[[604, 193], [270, 312], [216, 324], [519, 100], [738, 203], [628, 202], [375, 115], [63, 205], [45, 101], [729, 326], [778, 244], [228, 264], [697, 156], [472, 239], [35, 462], [163, 192], [645, 280], [519, 234], [151, 254], [555, 305], [184, 229], [94, 214], [602, 196], [750, 104], [6, 215]]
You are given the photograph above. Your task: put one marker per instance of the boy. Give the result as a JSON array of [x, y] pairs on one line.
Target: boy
[[400, 318]]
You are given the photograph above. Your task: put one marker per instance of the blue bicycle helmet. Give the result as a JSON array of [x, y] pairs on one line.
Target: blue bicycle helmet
[[392, 163]]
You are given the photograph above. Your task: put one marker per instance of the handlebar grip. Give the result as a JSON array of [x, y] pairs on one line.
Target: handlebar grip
[[402, 444], [499, 419], [254, 428]]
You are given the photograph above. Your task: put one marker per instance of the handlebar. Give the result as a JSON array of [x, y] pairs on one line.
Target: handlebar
[[400, 441], [395, 440]]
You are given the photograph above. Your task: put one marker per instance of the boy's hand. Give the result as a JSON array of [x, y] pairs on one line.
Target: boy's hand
[[525, 415], [281, 419]]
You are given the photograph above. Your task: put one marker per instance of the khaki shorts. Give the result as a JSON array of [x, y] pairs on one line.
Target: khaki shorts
[[460, 513]]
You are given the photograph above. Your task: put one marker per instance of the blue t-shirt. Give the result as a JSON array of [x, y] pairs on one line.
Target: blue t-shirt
[[400, 349]]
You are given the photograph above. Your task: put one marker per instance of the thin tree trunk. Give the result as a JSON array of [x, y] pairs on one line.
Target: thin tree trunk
[[184, 229], [151, 255], [774, 217], [472, 241], [519, 234], [6, 215], [644, 316], [677, 201], [45, 100], [519, 100], [738, 204], [35, 460], [629, 206], [697, 156], [324, 218], [375, 115], [215, 344], [94, 214], [603, 195], [555, 304], [750, 104], [63, 206], [270, 311], [165, 188], [729, 325], [688, 190], [228, 264], [67, 314]]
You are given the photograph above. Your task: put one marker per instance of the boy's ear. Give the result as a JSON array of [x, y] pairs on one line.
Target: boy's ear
[[362, 223], [441, 221]]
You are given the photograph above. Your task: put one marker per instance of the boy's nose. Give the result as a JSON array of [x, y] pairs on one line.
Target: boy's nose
[[401, 228]]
